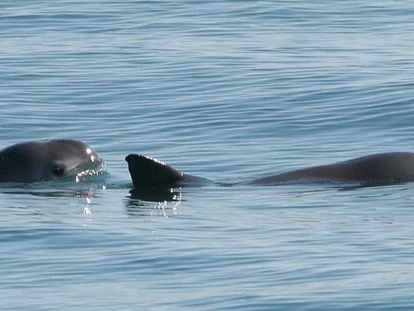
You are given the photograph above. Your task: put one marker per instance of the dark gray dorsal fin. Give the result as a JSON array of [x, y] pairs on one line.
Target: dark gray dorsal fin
[[149, 172]]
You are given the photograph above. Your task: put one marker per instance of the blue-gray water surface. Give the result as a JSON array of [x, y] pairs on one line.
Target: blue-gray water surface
[[227, 90]]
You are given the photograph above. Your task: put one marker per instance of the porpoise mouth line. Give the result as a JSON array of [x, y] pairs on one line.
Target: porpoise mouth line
[[81, 174]]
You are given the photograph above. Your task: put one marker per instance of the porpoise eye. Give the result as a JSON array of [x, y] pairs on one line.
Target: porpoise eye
[[58, 170]]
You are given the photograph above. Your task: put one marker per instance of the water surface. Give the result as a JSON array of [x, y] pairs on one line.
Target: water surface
[[227, 90]]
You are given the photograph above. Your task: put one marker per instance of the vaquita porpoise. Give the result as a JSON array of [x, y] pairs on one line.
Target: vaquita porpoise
[[64, 158]]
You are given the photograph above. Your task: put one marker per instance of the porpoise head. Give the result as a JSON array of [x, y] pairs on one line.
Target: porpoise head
[[44, 161]]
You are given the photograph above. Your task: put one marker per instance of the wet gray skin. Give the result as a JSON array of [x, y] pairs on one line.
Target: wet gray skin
[[376, 169], [63, 159], [44, 161]]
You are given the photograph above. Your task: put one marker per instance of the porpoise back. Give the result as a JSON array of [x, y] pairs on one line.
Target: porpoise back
[[147, 172], [377, 169]]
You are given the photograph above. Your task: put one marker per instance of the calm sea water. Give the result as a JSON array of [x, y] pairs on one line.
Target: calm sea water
[[228, 90]]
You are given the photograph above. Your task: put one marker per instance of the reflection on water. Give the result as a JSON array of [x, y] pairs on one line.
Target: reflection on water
[[78, 193], [56, 190], [156, 194], [153, 202], [136, 207]]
